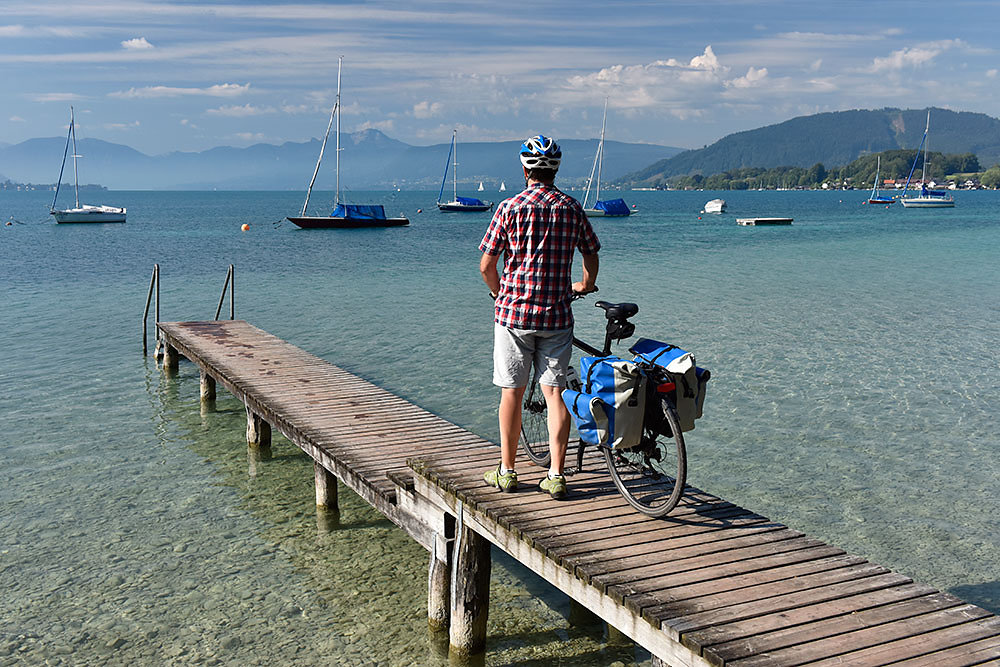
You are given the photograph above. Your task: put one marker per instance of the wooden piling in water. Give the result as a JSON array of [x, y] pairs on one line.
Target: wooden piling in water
[[470, 592], [171, 359], [439, 586], [326, 488], [207, 387]]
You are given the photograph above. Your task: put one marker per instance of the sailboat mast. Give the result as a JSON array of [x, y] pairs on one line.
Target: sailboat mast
[[76, 177], [340, 65], [322, 148], [878, 168], [923, 167], [62, 167], [600, 151], [454, 172]]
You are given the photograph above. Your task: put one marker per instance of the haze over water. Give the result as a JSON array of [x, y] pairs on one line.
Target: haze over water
[[854, 397]]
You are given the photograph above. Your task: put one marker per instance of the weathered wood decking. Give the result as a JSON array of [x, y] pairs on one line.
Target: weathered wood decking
[[711, 584]]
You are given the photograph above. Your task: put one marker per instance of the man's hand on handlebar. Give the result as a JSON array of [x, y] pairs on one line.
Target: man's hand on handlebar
[[579, 289]]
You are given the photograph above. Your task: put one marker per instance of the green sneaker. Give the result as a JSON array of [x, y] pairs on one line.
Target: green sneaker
[[505, 482], [556, 486]]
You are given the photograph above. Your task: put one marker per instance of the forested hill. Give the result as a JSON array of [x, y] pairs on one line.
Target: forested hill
[[836, 138]]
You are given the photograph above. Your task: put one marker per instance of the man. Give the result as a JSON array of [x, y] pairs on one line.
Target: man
[[538, 230]]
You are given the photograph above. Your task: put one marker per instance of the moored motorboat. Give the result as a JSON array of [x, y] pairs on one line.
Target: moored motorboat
[[715, 206]]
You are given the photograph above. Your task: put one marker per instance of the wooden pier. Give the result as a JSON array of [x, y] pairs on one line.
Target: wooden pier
[[712, 584]]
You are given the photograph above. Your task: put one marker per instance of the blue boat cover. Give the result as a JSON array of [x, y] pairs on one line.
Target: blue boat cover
[[613, 207], [470, 201], [927, 192], [362, 211]]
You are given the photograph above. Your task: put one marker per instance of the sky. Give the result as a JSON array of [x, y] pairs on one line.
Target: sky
[[167, 75]]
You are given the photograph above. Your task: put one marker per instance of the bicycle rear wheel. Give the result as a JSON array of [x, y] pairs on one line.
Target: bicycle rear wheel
[[651, 475], [535, 423]]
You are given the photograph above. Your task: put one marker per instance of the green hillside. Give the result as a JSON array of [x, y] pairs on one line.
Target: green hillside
[[836, 138]]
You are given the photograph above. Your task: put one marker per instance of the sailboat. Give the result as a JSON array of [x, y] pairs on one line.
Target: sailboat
[[503, 187], [481, 186], [876, 197], [469, 204], [927, 198], [344, 215], [612, 208], [80, 213]]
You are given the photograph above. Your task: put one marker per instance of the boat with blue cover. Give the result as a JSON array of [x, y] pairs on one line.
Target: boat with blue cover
[[610, 208], [344, 216], [458, 204]]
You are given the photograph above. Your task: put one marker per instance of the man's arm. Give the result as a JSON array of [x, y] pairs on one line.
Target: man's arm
[[488, 267], [589, 282]]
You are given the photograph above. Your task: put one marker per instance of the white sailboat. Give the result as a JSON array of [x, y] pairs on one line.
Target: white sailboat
[[344, 215], [503, 187], [927, 198], [80, 212], [481, 188], [458, 204], [616, 208]]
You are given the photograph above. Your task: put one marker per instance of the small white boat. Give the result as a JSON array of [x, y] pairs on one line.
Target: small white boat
[[503, 187], [481, 186], [753, 222], [80, 212], [927, 198], [715, 206]]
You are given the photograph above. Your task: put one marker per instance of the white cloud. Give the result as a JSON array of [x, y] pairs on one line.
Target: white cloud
[[426, 109], [16, 119], [11, 30], [121, 126], [384, 126], [56, 97], [218, 90], [187, 123], [913, 56], [240, 111], [992, 73], [753, 77], [814, 67], [250, 136], [138, 43]]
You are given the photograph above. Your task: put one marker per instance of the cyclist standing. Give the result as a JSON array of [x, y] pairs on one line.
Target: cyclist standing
[[538, 231]]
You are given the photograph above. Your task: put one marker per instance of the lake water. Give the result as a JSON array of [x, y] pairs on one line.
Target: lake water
[[854, 397]]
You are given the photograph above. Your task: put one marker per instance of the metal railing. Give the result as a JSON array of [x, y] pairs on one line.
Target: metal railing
[[154, 288]]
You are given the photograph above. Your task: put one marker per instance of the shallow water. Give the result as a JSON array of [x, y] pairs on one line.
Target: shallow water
[[854, 397]]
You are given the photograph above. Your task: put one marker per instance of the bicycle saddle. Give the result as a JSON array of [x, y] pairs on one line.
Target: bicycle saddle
[[618, 311]]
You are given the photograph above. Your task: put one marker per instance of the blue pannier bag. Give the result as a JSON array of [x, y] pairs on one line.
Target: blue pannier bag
[[608, 410], [679, 365]]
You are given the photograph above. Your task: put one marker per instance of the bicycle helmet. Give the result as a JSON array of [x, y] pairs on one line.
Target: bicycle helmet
[[540, 152]]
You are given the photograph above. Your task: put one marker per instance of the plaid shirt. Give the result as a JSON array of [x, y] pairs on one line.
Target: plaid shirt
[[538, 230]]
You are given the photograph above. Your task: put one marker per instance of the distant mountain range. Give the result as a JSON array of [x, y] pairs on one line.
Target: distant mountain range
[[369, 160], [834, 139]]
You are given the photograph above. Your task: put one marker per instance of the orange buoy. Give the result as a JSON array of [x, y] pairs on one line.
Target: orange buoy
[[420, 210], [245, 227]]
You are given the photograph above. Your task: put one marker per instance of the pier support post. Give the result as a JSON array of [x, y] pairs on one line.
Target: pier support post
[[470, 592], [438, 586], [207, 387], [258, 435], [171, 358], [326, 488]]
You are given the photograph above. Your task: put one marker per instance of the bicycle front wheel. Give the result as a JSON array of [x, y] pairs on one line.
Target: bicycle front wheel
[[535, 423], [651, 475]]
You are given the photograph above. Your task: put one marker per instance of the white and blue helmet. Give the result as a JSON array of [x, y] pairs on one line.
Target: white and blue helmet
[[540, 152]]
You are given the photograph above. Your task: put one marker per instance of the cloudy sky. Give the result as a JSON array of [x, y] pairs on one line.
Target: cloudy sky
[[162, 76]]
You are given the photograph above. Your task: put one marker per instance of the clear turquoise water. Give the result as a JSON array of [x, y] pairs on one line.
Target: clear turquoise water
[[854, 397]]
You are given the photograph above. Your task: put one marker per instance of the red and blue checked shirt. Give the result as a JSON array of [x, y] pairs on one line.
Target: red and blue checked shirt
[[538, 230]]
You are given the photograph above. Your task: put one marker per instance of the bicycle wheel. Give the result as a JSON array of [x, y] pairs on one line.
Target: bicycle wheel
[[651, 475], [535, 423]]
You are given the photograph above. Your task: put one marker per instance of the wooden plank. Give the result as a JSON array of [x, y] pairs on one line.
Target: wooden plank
[[981, 652], [887, 642], [804, 633]]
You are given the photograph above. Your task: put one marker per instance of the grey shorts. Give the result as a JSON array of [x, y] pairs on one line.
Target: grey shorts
[[517, 351]]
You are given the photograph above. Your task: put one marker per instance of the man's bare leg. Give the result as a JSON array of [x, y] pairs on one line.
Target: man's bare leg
[[510, 424], [558, 421]]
